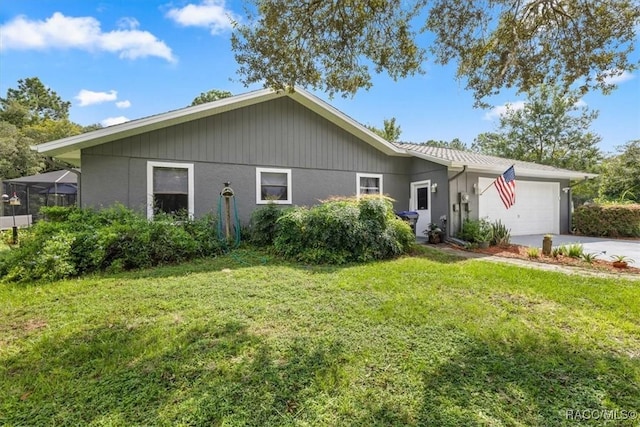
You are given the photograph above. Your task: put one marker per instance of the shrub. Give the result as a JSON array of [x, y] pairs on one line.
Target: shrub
[[263, 224], [343, 230], [476, 231], [469, 231], [50, 259], [574, 251], [501, 234], [588, 257], [533, 252], [203, 231], [611, 220], [78, 241]]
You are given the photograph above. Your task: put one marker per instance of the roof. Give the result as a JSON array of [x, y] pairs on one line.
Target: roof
[[68, 149], [482, 163], [55, 177]]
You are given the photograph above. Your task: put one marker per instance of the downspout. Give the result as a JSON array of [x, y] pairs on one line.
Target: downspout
[[464, 169]]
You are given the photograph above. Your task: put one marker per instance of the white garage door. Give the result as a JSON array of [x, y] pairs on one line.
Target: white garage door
[[536, 211]]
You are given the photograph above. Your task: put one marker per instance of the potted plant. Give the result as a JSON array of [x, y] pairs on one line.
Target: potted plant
[[621, 261], [433, 233]]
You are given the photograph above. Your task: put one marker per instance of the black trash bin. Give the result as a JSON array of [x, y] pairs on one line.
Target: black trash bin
[[411, 217]]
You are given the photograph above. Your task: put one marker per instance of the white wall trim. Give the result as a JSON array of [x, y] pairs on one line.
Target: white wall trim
[[191, 197], [259, 200], [368, 175]]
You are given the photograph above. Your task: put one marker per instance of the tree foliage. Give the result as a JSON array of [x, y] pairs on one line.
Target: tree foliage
[[391, 131], [551, 129], [455, 144], [321, 43], [16, 158], [335, 45], [210, 96], [32, 102], [31, 114], [620, 174]]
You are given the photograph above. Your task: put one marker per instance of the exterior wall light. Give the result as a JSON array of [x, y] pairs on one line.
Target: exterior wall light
[[434, 188]]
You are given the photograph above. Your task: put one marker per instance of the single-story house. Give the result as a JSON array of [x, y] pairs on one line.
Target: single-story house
[[292, 148]]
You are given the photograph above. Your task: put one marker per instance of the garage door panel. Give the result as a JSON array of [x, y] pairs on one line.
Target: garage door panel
[[536, 211]]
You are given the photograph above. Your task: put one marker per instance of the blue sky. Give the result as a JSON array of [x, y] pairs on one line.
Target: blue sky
[[117, 61]]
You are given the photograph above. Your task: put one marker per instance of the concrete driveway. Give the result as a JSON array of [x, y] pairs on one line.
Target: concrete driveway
[[602, 247]]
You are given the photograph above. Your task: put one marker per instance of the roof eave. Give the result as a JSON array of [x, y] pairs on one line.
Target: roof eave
[[530, 173]]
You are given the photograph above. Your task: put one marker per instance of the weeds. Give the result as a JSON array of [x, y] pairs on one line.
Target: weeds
[[533, 252]]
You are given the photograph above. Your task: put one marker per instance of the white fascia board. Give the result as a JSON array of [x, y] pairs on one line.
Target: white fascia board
[[61, 147], [528, 173]]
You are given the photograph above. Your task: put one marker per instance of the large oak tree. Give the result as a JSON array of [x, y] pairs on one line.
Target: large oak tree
[[335, 45]]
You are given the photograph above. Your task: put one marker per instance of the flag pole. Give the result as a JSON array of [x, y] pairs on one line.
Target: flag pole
[[482, 192], [493, 182]]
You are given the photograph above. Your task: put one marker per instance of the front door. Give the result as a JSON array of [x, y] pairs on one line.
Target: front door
[[420, 202]]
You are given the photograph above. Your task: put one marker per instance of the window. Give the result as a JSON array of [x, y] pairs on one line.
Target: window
[[368, 183], [273, 185], [169, 188], [423, 198]]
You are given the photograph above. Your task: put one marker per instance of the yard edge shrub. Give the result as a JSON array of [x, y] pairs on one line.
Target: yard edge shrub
[[614, 220], [73, 241], [476, 231], [343, 230], [264, 223]]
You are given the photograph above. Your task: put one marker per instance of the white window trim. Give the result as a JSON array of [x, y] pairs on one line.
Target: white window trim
[[259, 200], [368, 175], [190, 196]]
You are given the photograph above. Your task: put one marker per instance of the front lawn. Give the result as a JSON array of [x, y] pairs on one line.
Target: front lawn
[[246, 339]]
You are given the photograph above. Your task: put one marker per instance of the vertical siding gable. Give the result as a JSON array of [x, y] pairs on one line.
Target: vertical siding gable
[[279, 133]]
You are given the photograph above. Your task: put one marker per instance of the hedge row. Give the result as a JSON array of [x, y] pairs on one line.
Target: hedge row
[[608, 220], [335, 232], [72, 242]]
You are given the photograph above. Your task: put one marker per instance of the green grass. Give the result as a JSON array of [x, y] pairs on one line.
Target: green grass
[[250, 340]]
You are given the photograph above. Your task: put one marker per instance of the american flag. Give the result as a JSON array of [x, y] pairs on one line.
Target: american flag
[[506, 186]]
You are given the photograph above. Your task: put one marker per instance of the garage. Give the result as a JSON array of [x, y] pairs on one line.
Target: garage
[[536, 211]]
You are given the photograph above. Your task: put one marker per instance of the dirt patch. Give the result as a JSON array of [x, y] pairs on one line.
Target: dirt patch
[[34, 324]]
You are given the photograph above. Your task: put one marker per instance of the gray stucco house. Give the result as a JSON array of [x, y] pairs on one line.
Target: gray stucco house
[[294, 149]]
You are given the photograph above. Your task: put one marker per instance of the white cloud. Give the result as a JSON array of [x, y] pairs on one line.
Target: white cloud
[[88, 97], [123, 104], [63, 32], [580, 103], [499, 110], [128, 23], [618, 78], [211, 14], [111, 121]]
